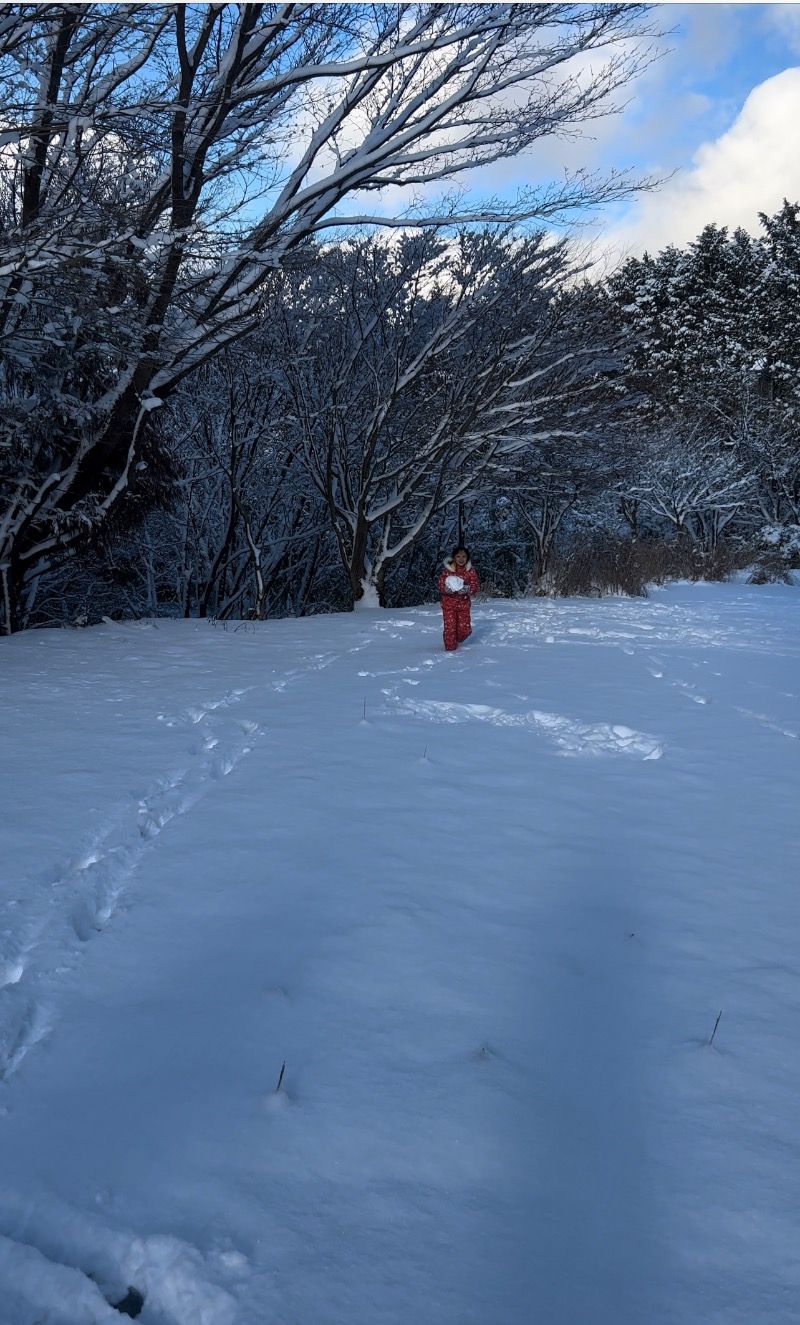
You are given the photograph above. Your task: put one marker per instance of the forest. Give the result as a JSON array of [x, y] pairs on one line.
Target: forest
[[234, 385]]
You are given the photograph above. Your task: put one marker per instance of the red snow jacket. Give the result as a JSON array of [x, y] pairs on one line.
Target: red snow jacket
[[468, 574]]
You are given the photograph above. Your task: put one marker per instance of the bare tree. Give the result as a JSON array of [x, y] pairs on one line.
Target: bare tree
[[245, 521], [159, 162], [696, 486], [420, 370]]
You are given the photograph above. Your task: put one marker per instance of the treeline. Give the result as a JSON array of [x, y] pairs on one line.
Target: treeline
[[401, 394], [167, 175], [222, 394]]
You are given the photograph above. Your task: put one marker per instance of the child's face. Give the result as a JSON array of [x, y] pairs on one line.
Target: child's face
[[461, 558]]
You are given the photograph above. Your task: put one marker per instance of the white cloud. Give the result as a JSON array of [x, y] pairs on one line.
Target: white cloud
[[785, 20], [749, 169]]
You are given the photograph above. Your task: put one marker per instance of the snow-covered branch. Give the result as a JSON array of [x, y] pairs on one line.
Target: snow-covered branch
[[162, 163]]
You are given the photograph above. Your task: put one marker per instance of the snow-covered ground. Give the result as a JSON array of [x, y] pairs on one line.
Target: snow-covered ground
[[485, 906]]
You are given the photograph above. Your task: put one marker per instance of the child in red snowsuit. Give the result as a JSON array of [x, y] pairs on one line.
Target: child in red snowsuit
[[456, 597]]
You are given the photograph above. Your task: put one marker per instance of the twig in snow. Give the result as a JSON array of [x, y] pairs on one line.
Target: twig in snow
[[713, 1033], [280, 1078]]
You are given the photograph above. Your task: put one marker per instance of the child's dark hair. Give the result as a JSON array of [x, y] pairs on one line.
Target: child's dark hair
[[460, 548]]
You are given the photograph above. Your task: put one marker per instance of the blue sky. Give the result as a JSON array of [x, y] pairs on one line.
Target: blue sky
[[715, 117], [716, 54], [720, 108]]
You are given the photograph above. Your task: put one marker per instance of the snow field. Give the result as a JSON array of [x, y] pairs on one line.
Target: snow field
[[485, 906]]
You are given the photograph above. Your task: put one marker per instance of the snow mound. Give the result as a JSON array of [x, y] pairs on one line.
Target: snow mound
[[571, 736], [41, 1285], [35, 1289]]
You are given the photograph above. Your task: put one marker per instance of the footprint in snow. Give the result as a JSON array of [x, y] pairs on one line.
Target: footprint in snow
[[688, 689], [198, 712], [27, 1027], [11, 971], [767, 723], [685, 687]]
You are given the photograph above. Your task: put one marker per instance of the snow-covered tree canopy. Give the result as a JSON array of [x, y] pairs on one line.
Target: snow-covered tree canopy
[[714, 347], [420, 371], [160, 162]]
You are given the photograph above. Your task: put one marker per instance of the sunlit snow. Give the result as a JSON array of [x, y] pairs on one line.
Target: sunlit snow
[[485, 907]]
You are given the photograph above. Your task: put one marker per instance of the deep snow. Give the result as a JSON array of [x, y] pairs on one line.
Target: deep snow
[[486, 907]]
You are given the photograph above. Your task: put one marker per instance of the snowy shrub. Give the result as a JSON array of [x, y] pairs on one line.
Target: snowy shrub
[[595, 566], [783, 541], [608, 564], [769, 571]]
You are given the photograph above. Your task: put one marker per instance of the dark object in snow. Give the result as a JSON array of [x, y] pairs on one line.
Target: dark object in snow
[[131, 1304], [280, 1078]]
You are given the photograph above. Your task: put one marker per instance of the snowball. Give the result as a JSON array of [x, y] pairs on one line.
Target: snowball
[[454, 583]]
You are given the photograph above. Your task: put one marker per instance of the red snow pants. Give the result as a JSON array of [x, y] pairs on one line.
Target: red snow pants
[[457, 623]]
